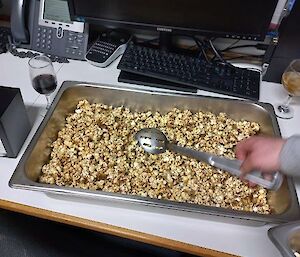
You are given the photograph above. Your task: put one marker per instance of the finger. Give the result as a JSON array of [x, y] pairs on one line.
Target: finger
[[268, 176], [247, 165], [251, 184], [243, 148], [241, 155]]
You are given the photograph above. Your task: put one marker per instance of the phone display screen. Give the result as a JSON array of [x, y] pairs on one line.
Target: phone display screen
[[57, 10]]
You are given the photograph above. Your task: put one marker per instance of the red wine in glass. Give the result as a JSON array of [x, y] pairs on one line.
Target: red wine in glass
[[44, 84], [42, 74]]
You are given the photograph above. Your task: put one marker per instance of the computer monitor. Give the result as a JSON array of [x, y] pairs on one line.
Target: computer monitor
[[249, 19]]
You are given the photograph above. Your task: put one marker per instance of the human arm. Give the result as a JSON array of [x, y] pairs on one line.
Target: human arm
[[269, 154], [290, 156]]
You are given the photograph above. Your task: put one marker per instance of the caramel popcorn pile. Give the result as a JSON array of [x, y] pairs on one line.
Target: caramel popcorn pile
[[96, 150]]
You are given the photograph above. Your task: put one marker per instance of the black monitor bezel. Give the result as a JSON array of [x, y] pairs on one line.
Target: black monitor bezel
[[159, 28]]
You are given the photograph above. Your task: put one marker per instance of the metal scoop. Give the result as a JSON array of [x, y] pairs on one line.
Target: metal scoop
[[154, 141]]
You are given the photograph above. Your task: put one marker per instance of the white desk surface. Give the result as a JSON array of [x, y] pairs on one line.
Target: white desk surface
[[230, 238]]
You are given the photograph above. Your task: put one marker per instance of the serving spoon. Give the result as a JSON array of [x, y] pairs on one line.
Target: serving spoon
[[154, 141]]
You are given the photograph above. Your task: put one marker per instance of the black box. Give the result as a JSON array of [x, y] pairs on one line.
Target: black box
[[14, 122]]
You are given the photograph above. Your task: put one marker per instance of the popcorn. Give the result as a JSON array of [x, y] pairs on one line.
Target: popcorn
[[97, 150]]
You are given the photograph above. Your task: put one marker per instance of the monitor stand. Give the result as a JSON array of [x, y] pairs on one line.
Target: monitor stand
[[132, 78]]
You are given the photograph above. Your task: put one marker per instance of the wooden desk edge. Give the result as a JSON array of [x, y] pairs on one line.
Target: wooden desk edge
[[112, 230]]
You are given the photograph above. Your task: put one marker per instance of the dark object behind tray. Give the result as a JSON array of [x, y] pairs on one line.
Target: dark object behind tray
[[14, 122]]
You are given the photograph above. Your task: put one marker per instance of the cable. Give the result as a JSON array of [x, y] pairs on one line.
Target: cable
[[232, 44], [245, 56], [147, 41], [218, 55], [257, 46], [199, 44], [255, 69], [234, 47], [215, 51], [201, 48], [207, 44]]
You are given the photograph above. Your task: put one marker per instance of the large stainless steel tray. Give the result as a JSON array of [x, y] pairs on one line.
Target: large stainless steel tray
[[286, 237], [283, 202]]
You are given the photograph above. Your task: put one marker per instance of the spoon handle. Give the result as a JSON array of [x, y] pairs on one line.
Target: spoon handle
[[232, 166], [255, 176]]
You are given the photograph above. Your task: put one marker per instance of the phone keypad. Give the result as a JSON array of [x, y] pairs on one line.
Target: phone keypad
[[44, 38], [75, 43], [71, 45]]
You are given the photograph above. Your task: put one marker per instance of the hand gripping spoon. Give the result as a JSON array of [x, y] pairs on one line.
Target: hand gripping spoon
[[154, 141]]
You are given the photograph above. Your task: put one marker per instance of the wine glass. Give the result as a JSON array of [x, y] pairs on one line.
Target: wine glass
[[291, 82], [42, 76]]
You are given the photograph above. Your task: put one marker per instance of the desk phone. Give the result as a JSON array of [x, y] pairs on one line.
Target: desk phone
[[48, 28]]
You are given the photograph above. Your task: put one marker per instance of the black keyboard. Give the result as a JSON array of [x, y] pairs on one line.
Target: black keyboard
[[4, 33], [191, 71]]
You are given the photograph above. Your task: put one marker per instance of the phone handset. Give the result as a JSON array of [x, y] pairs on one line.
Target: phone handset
[[17, 20]]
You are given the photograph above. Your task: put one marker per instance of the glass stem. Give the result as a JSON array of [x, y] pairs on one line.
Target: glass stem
[[48, 102], [286, 104]]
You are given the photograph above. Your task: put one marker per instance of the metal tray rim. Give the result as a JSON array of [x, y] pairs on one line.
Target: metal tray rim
[[20, 181]]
